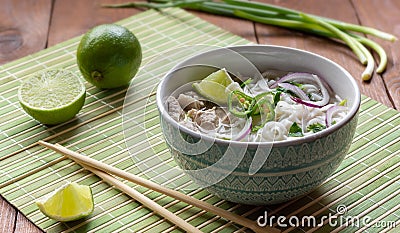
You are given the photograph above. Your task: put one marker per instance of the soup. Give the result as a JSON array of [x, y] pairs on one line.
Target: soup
[[280, 106]]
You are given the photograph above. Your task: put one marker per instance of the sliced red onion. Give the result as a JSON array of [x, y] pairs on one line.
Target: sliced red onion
[[331, 111], [295, 90], [297, 76], [306, 103], [245, 131], [325, 94], [326, 85], [315, 97], [306, 78]]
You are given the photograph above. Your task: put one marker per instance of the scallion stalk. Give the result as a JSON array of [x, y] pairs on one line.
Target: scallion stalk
[[284, 17], [293, 14], [315, 29], [369, 69], [342, 35], [378, 49], [156, 4]]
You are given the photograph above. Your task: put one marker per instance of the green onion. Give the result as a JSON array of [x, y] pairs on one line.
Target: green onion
[[294, 15], [342, 35], [263, 106], [247, 82], [378, 49], [362, 53], [156, 5], [367, 74], [266, 111], [284, 17], [259, 107], [245, 104]]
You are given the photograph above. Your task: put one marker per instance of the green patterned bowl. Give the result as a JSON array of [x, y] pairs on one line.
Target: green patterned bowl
[[285, 169]]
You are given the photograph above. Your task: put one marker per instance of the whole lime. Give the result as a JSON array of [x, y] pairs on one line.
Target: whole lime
[[109, 56]]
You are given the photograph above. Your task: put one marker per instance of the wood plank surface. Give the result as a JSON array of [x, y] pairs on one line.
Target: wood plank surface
[[32, 25], [23, 27], [384, 15], [238, 27], [7, 216], [333, 50], [74, 17], [23, 225]]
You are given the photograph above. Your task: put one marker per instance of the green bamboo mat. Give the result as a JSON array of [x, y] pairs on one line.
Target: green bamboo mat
[[366, 184]]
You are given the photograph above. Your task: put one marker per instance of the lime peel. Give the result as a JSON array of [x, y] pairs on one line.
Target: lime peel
[[52, 96], [70, 202], [109, 56], [213, 87]]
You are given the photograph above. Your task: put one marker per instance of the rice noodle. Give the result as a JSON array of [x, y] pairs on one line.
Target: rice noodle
[[284, 107]]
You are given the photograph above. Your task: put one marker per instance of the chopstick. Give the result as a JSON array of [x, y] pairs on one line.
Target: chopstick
[[143, 199], [89, 162]]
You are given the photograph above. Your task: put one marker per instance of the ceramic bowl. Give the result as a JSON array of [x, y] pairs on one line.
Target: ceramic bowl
[[292, 168]]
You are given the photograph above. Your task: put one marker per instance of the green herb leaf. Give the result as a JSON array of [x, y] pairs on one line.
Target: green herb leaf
[[295, 130], [277, 97], [281, 89], [256, 128], [316, 127]]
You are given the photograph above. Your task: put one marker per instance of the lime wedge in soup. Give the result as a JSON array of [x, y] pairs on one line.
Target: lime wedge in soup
[[67, 203], [214, 86]]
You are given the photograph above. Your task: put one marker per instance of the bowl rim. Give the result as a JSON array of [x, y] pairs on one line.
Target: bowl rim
[[353, 111]]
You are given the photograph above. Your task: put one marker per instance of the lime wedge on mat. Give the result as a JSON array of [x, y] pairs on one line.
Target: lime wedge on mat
[[67, 203], [214, 85], [52, 96]]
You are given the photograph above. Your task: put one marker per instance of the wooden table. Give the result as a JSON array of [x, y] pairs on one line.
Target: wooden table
[[32, 25]]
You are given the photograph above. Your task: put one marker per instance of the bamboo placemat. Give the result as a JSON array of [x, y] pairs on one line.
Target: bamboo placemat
[[366, 186]]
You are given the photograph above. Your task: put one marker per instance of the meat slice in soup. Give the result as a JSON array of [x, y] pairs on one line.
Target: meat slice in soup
[[281, 106]]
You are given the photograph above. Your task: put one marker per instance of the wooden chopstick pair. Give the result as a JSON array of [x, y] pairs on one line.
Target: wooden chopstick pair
[[104, 170]]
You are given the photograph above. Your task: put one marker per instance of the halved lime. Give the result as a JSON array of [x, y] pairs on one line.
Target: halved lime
[[213, 87], [52, 96], [67, 203]]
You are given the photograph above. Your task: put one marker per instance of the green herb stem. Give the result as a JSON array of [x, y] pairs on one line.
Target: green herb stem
[[157, 5], [342, 35], [293, 14], [288, 18], [231, 8], [291, 24], [211, 9], [263, 6], [315, 29], [361, 29], [246, 106], [378, 49], [369, 69]]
